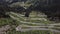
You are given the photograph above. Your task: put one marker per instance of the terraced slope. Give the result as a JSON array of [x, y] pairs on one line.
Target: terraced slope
[[39, 22]]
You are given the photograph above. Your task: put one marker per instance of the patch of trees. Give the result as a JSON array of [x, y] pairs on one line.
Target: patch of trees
[[50, 7], [52, 10], [4, 8]]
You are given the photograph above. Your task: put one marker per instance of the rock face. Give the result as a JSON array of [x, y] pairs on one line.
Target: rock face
[[3, 29], [18, 28]]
